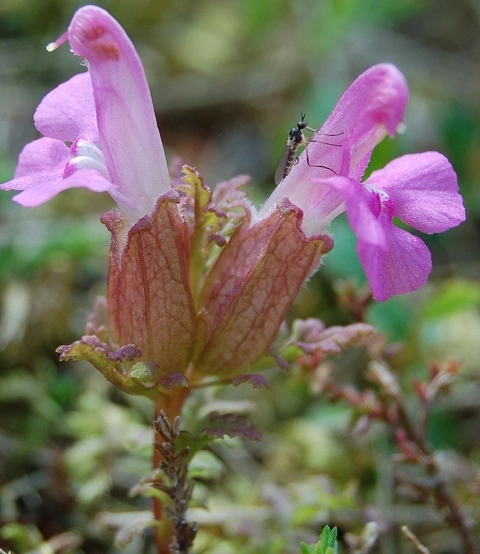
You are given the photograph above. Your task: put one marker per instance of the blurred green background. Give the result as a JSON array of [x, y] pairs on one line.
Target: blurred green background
[[229, 78]]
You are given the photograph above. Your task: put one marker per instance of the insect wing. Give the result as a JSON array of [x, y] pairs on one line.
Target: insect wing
[[281, 171]]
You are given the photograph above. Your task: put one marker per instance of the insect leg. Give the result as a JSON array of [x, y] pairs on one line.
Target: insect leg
[[322, 166], [321, 142], [323, 134]]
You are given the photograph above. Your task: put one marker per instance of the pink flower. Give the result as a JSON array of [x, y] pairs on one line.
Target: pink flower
[[106, 116], [419, 189]]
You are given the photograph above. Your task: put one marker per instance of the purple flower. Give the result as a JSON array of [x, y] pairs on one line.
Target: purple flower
[[419, 189], [106, 117]]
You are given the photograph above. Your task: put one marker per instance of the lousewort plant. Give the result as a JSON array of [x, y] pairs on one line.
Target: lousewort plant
[[200, 280]]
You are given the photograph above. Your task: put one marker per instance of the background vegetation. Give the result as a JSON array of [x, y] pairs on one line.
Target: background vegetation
[[229, 79]]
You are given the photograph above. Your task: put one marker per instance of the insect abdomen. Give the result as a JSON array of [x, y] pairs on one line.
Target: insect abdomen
[[289, 162]]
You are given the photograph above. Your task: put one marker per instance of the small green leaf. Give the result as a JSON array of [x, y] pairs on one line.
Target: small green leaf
[[332, 539], [305, 548], [327, 543], [325, 535]]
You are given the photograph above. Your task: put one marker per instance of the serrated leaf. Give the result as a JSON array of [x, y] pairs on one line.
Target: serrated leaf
[[257, 381], [207, 216], [231, 425]]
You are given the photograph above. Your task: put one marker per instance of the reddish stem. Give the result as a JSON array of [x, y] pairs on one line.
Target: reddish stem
[[164, 528], [442, 494]]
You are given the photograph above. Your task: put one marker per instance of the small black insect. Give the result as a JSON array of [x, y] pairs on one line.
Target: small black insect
[[296, 138]]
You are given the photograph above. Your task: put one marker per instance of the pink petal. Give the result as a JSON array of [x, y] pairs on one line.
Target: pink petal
[[129, 136], [320, 202], [40, 173], [68, 112], [373, 106], [424, 190], [363, 208], [44, 154], [44, 186], [403, 267]]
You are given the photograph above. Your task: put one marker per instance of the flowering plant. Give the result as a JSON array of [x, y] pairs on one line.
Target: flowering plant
[[200, 281]]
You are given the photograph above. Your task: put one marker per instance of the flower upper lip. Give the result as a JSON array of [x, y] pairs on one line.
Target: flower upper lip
[[372, 107], [110, 107]]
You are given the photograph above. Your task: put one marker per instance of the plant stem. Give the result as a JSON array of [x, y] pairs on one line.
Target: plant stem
[[164, 528], [442, 494]]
